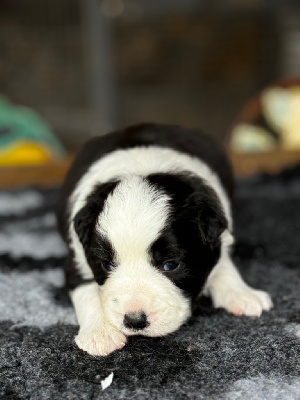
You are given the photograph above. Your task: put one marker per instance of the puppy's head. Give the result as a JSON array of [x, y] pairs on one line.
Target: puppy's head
[[151, 242]]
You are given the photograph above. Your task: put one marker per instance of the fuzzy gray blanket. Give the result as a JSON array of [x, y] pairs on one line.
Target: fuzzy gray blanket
[[214, 356]]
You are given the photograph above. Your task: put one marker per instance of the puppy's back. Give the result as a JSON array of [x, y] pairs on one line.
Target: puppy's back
[[188, 141]]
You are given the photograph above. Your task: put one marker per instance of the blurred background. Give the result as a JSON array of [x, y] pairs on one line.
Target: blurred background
[[90, 66]]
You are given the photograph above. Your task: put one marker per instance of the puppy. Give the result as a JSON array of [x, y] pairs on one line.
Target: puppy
[[146, 216]]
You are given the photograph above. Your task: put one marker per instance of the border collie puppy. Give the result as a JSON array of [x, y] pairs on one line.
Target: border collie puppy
[[146, 215]]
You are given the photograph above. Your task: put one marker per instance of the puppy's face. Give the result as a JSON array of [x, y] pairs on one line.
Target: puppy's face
[[151, 243]]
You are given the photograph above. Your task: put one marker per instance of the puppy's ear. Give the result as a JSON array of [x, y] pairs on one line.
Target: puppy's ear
[[84, 224], [209, 217], [85, 220]]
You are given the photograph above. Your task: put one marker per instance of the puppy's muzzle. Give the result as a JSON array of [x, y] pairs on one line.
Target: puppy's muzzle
[[135, 320]]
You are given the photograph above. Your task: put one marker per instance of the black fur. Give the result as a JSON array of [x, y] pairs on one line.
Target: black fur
[[92, 242], [72, 276], [85, 220], [192, 234]]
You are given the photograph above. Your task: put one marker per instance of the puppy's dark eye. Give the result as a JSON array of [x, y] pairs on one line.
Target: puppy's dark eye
[[108, 266], [170, 265]]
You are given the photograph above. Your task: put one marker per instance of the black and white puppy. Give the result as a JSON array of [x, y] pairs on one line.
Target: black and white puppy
[[146, 215]]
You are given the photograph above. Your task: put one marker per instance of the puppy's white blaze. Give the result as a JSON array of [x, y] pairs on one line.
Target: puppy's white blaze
[[132, 218], [138, 286], [87, 304]]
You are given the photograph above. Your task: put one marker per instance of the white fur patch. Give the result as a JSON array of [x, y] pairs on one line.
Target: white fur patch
[[132, 218], [228, 290]]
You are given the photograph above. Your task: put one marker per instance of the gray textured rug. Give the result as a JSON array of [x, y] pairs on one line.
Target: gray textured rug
[[214, 356]]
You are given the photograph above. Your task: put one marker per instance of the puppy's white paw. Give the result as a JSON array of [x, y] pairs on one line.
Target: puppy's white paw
[[243, 301], [100, 342]]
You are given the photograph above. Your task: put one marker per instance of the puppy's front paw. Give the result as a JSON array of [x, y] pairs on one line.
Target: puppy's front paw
[[101, 341], [243, 301]]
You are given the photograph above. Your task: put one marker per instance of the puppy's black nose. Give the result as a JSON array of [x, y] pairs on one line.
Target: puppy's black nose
[[135, 320]]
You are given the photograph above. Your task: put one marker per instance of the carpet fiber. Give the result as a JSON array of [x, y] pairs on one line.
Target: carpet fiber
[[214, 356]]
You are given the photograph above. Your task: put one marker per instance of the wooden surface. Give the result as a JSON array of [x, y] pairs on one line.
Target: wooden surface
[[53, 173], [45, 175], [272, 162]]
